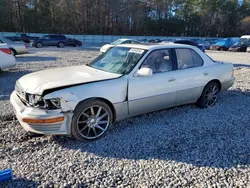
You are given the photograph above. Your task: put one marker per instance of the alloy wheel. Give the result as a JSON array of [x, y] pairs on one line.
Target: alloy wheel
[[93, 122], [211, 95]]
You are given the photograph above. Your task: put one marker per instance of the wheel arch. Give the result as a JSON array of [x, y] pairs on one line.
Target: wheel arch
[[110, 104], [15, 52], [216, 81]]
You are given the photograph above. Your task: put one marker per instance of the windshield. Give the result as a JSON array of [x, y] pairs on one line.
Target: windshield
[[119, 60], [241, 42], [5, 40], [117, 42]]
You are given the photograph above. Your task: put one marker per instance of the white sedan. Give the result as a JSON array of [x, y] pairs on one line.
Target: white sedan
[[6, 59], [128, 80], [106, 47]]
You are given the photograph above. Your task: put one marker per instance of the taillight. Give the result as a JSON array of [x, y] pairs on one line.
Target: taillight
[[5, 50]]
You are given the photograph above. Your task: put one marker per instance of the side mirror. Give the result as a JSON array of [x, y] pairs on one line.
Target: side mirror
[[144, 72]]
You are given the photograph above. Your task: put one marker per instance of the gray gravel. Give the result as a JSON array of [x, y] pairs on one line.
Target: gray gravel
[[178, 147]]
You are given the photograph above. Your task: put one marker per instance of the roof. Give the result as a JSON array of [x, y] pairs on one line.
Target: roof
[[125, 39], [154, 46]]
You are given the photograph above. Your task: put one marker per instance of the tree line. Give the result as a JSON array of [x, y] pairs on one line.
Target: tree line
[[203, 18]]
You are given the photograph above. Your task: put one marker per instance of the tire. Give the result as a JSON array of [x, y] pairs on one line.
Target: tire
[[77, 45], [209, 95], [13, 52], [60, 45], [39, 45], [85, 122]]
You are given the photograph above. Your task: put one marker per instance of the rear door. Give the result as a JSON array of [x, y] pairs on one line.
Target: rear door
[[191, 76], [47, 40]]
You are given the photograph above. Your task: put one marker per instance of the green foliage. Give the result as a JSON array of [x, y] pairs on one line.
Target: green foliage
[[127, 17]]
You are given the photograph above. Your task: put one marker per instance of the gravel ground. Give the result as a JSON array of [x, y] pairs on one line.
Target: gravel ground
[[178, 147]]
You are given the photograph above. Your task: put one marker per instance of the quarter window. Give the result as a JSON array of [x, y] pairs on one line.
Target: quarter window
[[188, 58], [159, 61]]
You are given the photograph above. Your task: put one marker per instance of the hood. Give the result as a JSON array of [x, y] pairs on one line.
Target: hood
[[38, 82]]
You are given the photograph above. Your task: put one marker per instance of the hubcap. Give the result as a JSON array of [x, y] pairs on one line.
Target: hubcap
[[211, 95], [93, 122]]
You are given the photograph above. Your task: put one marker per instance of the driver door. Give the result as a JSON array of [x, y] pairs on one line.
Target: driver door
[[156, 92]]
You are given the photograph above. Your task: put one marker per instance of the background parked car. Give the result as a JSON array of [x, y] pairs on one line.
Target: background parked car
[[240, 46], [155, 41], [6, 59], [22, 37], [211, 41], [202, 43], [189, 42], [73, 42], [16, 48], [117, 42], [224, 44], [50, 40]]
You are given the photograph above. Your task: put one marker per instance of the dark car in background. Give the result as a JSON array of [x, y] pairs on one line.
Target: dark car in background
[[240, 46], [50, 40], [202, 43], [73, 42], [22, 37], [155, 41], [189, 42], [224, 44]]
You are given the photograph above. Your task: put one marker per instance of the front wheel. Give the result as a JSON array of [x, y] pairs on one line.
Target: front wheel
[[60, 45], [91, 120], [209, 95]]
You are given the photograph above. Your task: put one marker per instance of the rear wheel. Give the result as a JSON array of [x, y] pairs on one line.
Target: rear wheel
[[39, 45], [209, 95], [91, 120]]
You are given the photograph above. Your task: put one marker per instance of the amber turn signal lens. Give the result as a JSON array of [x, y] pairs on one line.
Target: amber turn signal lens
[[43, 121]]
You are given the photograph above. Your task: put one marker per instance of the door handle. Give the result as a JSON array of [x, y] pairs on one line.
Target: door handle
[[205, 73], [171, 80]]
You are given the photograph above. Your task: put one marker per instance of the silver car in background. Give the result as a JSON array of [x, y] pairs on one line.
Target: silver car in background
[[17, 48]]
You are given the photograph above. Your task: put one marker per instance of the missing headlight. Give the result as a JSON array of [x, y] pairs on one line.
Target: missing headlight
[[48, 104]]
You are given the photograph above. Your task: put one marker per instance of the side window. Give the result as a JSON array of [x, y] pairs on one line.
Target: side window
[[159, 61], [134, 42], [197, 59], [188, 58], [127, 42]]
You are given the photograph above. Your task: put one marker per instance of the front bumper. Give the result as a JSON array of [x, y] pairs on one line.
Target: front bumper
[[22, 51], [233, 49], [24, 113]]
